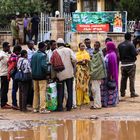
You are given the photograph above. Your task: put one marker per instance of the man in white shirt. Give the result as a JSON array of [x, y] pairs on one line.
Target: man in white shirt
[[31, 50], [4, 57], [52, 48]]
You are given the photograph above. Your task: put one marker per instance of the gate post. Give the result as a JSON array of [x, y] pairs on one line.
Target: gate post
[[57, 28]]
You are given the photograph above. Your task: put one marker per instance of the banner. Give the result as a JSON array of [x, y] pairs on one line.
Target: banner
[[113, 21]]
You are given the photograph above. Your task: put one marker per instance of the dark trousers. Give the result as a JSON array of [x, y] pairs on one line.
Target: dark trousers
[[23, 93], [26, 33], [128, 72], [34, 33], [60, 94], [14, 92], [4, 90], [30, 93]]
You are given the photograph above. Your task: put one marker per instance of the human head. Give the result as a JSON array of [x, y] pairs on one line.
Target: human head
[[6, 46], [108, 40], [23, 53], [52, 45], [127, 36], [81, 46], [97, 45], [30, 44], [60, 42], [110, 47], [17, 49], [47, 42], [26, 15], [42, 46], [87, 42]]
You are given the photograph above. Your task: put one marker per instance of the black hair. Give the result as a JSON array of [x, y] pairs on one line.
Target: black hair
[[29, 42], [98, 43], [5, 44], [51, 42], [80, 44], [23, 53], [108, 39], [41, 45], [17, 48], [127, 36], [86, 39]]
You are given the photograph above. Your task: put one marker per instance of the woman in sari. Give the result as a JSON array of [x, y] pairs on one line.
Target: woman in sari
[[82, 75], [110, 96]]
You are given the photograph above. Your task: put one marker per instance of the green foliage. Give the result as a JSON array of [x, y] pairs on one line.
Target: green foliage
[[23, 6], [11, 7], [132, 7]]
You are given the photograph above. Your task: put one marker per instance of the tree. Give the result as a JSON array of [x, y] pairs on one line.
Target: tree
[[132, 7], [23, 6]]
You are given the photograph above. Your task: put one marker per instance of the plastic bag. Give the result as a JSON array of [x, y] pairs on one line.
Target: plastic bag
[[51, 96]]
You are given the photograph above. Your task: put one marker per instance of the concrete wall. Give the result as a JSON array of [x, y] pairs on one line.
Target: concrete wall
[[76, 38], [5, 37]]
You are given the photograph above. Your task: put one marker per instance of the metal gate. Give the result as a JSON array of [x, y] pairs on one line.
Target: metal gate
[[45, 27]]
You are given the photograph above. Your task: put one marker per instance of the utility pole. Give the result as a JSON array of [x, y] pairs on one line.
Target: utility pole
[[61, 8]]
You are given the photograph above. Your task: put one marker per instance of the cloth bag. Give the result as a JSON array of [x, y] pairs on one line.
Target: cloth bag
[[111, 84], [20, 76]]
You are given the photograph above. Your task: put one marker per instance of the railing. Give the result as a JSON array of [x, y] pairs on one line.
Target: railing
[[130, 26]]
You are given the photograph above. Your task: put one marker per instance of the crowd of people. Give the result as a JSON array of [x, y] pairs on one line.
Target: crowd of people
[[86, 77]]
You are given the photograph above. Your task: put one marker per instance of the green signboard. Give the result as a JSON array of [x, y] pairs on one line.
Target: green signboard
[[107, 21]]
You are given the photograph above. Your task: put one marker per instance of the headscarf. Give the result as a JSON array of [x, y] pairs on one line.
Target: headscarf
[[80, 55], [112, 61]]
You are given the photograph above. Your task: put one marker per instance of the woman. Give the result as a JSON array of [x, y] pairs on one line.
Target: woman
[[110, 96], [24, 87], [97, 73], [82, 75]]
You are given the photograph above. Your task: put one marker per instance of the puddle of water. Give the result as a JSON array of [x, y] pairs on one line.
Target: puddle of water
[[77, 130]]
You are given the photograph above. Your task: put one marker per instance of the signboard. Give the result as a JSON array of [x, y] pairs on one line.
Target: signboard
[[113, 21]]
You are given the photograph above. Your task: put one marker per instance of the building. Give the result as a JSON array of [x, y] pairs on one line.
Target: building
[[96, 5]]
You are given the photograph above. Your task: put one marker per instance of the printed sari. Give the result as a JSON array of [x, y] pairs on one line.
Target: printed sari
[[82, 78]]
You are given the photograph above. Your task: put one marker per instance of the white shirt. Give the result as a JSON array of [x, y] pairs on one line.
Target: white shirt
[[30, 53], [49, 54], [4, 57]]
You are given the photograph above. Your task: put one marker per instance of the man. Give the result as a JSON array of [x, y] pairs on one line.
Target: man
[[15, 31], [104, 49], [97, 73], [34, 29], [89, 49], [39, 72], [25, 24], [4, 57], [128, 55], [66, 75], [12, 66], [30, 52], [49, 52]]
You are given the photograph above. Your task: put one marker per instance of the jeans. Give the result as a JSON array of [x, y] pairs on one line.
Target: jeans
[[14, 92]]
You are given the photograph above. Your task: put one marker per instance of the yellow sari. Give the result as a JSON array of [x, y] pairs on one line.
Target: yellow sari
[[82, 78]]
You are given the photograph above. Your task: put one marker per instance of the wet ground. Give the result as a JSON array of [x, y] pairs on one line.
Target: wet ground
[[74, 130]]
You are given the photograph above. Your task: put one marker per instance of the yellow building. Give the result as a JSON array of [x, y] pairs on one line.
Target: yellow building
[[96, 5]]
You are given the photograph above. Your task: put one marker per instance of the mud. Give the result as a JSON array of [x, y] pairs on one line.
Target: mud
[[74, 130]]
